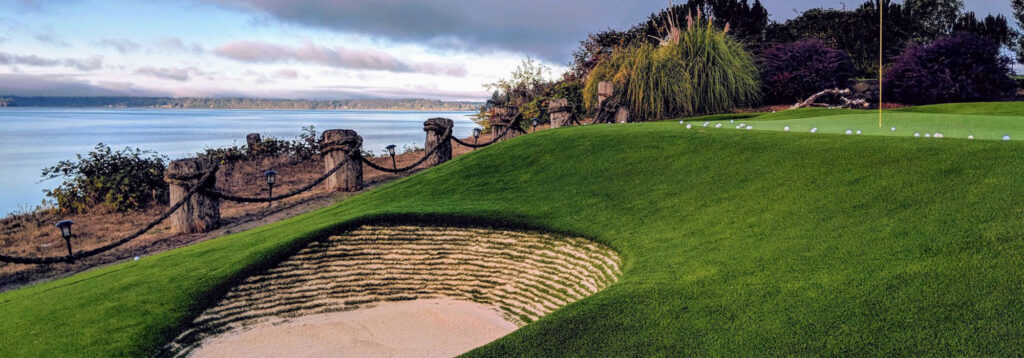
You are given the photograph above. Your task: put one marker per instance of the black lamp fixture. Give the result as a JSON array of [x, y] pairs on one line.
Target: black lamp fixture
[[271, 179], [476, 136], [65, 232], [391, 151], [535, 122]]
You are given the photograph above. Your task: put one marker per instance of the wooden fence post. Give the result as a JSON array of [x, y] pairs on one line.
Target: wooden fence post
[[201, 213], [505, 117], [436, 129], [253, 140], [334, 145], [561, 113]]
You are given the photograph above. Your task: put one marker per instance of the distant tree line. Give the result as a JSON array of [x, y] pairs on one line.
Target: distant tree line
[[239, 103]]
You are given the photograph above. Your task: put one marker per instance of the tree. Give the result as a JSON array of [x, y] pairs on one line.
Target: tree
[[933, 18], [991, 27], [961, 68], [1018, 14]]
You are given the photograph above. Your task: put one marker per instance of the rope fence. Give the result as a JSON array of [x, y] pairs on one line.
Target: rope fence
[[339, 177]]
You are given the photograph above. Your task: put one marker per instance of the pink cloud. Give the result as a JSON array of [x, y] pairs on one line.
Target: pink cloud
[[340, 57]]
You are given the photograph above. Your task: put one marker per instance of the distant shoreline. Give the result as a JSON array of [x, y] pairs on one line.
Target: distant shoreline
[[412, 104]]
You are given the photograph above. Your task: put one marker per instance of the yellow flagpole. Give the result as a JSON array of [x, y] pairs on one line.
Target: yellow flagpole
[[881, 59]]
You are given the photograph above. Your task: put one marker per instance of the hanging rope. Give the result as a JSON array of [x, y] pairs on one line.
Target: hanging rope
[[447, 136], [242, 199], [492, 141], [84, 254]]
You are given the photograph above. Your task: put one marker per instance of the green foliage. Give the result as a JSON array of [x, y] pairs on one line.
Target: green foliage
[[306, 146], [705, 71], [124, 180], [734, 244]]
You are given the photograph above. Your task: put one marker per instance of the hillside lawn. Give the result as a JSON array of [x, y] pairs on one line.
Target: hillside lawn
[[989, 121], [734, 243]]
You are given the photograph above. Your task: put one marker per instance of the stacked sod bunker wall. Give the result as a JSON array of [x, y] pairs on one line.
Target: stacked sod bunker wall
[[523, 275]]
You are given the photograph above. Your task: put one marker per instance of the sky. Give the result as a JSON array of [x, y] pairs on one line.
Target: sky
[[311, 49]]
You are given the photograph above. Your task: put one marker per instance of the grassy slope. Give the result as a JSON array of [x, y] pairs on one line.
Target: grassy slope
[[735, 243], [956, 120]]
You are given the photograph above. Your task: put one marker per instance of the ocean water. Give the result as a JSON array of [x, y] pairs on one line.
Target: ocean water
[[34, 138]]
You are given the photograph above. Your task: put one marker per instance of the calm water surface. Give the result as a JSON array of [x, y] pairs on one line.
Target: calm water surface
[[34, 138]]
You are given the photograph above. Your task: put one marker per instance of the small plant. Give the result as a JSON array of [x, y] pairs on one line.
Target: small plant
[[124, 180], [792, 72], [960, 68]]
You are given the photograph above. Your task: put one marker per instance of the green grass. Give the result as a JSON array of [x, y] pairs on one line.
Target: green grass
[[983, 121], [734, 243]]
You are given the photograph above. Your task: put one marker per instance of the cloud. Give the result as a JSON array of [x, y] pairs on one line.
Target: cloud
[[170, 73], [3, 39], [52, 39], [90, 64], [54, 85], [285, 74], [543, 28], [339, 57], [174, 44], [122, 45]]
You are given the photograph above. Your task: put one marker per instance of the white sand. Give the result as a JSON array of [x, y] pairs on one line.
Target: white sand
[[420, 328]]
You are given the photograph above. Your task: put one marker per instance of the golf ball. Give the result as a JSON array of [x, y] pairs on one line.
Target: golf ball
[[970, 137], [688, 126], [917, 135], [1006, 137], [706, 124], [893, 129], [849, 132], [938, 135], [927, 135], [750, 127], [859, 132], [786, 128], [814, 130]]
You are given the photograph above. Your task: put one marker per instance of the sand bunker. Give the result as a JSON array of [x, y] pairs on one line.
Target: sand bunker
[[343, 294], [421, 328]]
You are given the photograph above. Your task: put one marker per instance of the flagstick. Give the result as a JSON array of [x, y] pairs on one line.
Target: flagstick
[[881, 58]]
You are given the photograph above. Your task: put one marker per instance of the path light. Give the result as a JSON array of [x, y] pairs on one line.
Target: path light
[[65, 232], [391, 151], [476, 136], [1006, 137], [271, 179], [535, 122], [786, 128]]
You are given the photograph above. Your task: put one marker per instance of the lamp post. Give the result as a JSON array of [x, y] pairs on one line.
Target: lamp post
[[65, 232], [535, 122], [391, 151], [271, 179], [476, 136]]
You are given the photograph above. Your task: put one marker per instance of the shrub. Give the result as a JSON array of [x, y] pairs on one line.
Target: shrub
[[124, 180], [960, 68], [699, 70], [304, 147], [793, 72]]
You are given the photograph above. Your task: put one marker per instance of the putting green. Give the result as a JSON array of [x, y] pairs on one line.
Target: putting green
[[984, 121]]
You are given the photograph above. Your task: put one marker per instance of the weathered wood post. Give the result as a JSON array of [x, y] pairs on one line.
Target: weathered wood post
[[201, 213], [336, 143], [605, 89], [437, 129], [505, 123], [253, 140], [561, 112], [614, 112]]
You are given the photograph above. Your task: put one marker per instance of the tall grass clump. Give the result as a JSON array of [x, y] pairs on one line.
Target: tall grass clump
[[699, 70]]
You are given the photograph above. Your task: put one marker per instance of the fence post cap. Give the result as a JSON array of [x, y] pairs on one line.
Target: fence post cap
[[437, 124]]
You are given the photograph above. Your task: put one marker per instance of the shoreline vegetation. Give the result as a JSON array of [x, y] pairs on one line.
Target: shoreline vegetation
[[409, 104]]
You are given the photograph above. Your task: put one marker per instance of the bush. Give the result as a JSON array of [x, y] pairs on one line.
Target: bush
[[960, 68], [304, 147], [697, 70], [124, 180], [795, 71]]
